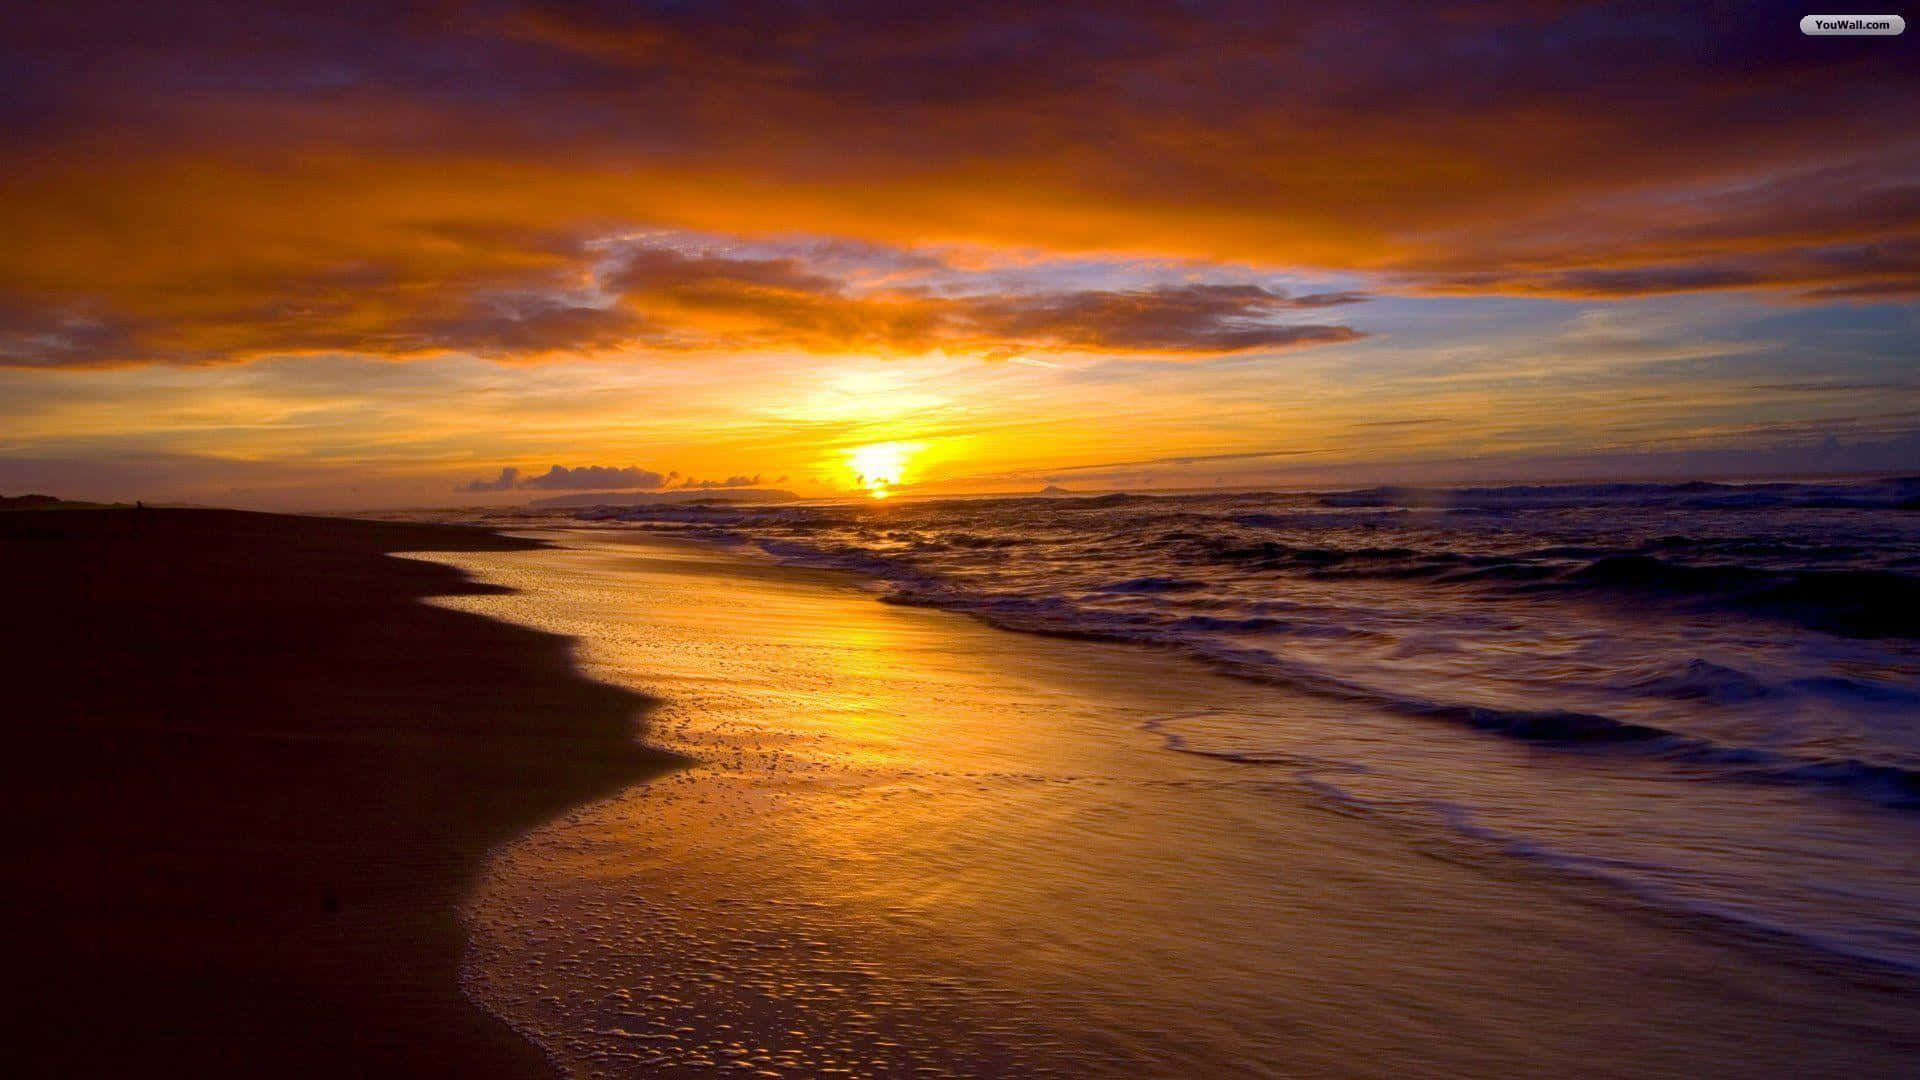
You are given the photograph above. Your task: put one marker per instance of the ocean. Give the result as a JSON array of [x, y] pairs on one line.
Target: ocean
[[1705, 694]]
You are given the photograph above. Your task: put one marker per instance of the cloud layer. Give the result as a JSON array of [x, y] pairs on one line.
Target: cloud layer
[[669, 293], [219, 181]]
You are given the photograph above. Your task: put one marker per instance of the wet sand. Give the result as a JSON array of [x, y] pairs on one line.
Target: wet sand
[[913, 844], [250, 777]]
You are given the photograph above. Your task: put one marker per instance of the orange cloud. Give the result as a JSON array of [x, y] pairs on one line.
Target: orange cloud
[[641, 296], [231, 181]]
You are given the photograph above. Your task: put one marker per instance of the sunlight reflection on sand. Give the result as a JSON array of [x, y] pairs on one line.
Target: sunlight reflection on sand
[[916, 843]]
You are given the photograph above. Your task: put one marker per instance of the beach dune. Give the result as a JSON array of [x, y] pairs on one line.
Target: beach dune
[[250, 777]]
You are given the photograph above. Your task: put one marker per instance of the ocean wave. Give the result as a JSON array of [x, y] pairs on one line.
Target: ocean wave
[[1747, 648], [1449, 613], [1901, 493], [1663, 877], [1701, 680], [1867, 603], [1151, 585], [1890, 785], [1887, 784]]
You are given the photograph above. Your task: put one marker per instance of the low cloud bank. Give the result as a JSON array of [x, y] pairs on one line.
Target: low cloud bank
[[607, 478], [580, 478]]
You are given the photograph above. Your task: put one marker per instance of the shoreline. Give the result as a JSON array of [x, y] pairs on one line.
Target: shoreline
[[932, 804], [1782, 943], [291, 804], [255, 780], [1554, 783]]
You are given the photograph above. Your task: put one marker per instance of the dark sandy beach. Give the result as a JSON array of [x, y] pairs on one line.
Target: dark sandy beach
[[251, 777]]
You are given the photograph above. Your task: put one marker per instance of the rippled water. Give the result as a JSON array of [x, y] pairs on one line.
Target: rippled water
[[1715, 688], [910, 844]]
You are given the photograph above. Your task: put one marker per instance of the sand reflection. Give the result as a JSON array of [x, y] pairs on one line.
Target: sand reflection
[[916, 844]]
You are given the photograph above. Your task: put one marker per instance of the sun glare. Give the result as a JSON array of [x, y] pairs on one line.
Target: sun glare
[[880, 467]]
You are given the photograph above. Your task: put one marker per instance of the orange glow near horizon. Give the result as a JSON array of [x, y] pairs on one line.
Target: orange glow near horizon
[[880, 467], [1182, 253]]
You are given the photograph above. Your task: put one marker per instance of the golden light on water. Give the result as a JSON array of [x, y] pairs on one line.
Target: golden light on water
[[880, 467]]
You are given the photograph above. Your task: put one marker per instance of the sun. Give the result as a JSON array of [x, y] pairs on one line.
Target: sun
[[880, 467]]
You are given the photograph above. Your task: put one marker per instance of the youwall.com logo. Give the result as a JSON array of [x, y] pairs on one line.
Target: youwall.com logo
[[1853, 25]]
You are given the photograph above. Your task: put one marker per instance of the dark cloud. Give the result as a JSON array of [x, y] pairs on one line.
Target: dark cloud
[[50, 337], [662, 270], [518, 326], [393, 310], [594, 478], [729, 482], [1181, 318], [1832, 387], [508, 479], [1859, 271], [580, 478], [737, 302]]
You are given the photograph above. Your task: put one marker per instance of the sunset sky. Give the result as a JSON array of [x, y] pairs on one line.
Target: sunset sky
[[338, 255]]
